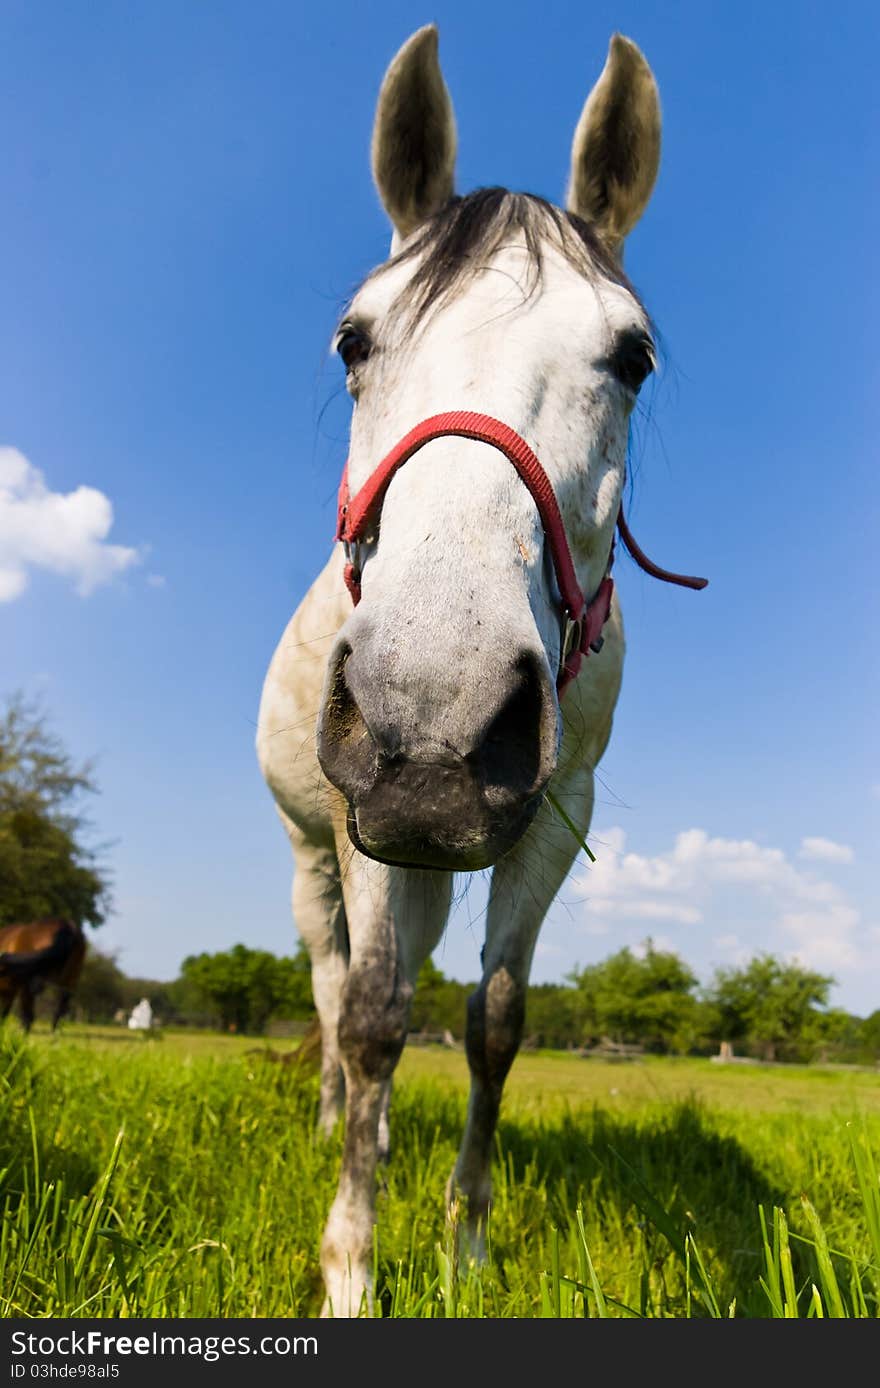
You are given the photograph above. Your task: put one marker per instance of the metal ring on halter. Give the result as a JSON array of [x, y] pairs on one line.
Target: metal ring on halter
[[571, 637]]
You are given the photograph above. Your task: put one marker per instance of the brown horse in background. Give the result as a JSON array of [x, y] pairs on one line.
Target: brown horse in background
[[34, 954]]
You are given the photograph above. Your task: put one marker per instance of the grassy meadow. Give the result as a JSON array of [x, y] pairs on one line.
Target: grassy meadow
[[181, 1175]]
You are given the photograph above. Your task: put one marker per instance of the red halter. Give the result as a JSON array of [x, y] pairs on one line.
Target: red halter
[[583, 621]]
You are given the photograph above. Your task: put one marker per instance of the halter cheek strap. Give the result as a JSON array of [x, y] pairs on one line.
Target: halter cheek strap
[[582, 621]]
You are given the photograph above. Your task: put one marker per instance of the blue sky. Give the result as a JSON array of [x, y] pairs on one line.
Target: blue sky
[[186, 204]]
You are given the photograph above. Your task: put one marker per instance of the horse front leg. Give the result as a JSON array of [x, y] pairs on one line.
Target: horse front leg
[[7, 998], [62, 1005], [29, 992], [319, 916], [395, 916], [524, 884]]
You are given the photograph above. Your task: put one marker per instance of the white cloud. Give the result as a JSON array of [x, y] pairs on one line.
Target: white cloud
[[12, 583], [546, 949], [824, 938], [826, 851], [65, 533], [650, 909], [776, 905]]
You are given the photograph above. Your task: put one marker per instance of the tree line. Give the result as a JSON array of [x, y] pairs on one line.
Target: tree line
[[768, 1008], [239, 990]]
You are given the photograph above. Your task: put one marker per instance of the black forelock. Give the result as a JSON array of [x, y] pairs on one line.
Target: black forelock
[[459, 239]]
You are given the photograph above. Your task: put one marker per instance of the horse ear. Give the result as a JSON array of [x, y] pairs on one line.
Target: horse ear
[[616, 149], [413, 151]]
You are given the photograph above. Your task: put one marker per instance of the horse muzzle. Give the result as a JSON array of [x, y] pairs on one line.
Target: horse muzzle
[[428, 804], [450, 829]]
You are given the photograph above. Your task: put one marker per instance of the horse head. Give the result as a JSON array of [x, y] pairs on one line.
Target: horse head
[[440, 719]]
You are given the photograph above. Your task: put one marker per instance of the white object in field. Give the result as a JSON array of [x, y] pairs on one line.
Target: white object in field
[[141, 1018]]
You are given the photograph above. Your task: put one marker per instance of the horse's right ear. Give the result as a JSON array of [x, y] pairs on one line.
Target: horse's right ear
[[616, 150], [414, 141]]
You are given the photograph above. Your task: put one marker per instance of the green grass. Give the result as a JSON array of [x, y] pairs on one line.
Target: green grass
[[182, 1176]]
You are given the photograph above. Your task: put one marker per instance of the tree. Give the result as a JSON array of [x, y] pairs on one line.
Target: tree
[[768, 1004], [646, 999], [834, 1034], [439, 1003], [870, 1035], [102, 986], [245, 987], [552, 1015], [46, 869]]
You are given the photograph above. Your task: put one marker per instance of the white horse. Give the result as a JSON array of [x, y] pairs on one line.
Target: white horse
[[432, 687]]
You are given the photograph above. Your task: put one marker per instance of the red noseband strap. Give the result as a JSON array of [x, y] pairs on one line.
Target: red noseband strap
[[583, 621]]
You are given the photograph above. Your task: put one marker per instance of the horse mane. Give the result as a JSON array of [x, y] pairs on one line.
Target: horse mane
[[457, 241]]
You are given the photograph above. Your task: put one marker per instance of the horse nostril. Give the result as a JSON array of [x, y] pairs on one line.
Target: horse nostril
[[346, 750], [340, 711], [517, 751]]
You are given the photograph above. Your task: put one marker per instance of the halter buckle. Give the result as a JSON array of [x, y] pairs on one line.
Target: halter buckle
[[571, 637]]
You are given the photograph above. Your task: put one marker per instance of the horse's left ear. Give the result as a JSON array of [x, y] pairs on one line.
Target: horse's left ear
[[414, 138], [616, 150]]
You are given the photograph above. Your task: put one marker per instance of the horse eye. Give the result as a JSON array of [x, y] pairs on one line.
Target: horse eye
[[633, 360], [352, 345]]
